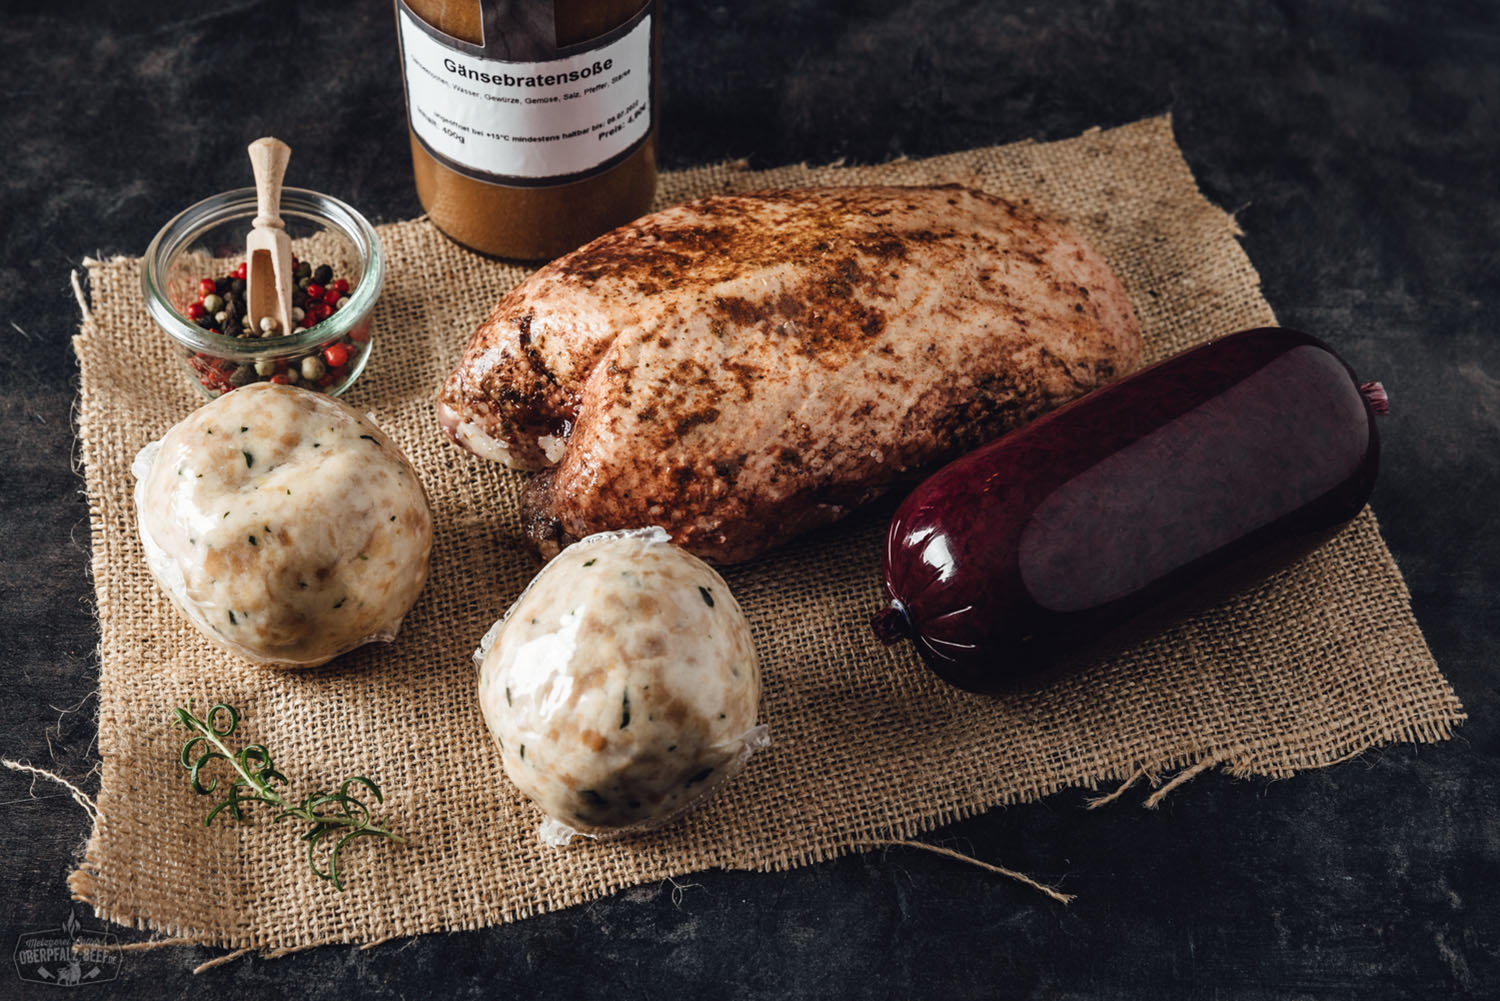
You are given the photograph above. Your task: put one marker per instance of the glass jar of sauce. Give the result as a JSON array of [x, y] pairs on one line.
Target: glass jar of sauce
[[532, 122]]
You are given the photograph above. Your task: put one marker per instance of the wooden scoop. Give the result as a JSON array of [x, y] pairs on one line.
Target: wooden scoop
[[268, 249]]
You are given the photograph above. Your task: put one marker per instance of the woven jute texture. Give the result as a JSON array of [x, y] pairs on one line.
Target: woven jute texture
[[1320, 662]]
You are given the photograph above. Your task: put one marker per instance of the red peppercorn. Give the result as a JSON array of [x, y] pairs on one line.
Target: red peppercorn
[[322, 310], [239, 272], [281, 364], [280, 379], [314, 290], [195, 311], [307, 320], [342, 286], [360, 334], [326, 381], [331, 296], [336, 355], [206, 287]]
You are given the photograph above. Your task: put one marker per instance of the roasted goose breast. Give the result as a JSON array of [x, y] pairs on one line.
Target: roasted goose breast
[[742, 368]]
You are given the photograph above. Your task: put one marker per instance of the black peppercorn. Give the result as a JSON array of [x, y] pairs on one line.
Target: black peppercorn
[[324, 368]]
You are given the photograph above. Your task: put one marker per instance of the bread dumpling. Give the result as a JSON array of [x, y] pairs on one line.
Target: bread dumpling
[[284, 524], [622, 685]]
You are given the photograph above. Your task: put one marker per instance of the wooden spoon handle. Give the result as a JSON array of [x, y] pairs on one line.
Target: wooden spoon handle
[[268, 158]]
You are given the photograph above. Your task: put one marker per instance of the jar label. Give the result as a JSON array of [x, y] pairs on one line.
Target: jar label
[[528, 123]]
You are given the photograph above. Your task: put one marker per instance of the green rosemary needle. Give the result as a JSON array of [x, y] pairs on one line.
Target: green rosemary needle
[[335, 818]]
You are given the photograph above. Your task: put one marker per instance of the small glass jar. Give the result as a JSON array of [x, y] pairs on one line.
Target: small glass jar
[[207, 240]]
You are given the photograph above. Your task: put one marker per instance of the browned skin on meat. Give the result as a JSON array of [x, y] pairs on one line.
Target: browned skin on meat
[[744, 368]]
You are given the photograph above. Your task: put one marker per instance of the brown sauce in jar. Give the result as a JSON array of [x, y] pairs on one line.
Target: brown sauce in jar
[[535, 220]]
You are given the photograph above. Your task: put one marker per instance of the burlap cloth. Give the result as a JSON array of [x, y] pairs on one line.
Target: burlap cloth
[[1320, 662]]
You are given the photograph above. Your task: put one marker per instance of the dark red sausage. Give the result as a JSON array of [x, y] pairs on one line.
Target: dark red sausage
[[1140, 501]]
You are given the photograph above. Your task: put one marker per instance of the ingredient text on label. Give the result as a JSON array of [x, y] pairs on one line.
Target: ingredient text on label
[[529, 120]]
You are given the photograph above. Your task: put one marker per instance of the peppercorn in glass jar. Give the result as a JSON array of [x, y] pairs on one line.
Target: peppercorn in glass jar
[[193, 279]]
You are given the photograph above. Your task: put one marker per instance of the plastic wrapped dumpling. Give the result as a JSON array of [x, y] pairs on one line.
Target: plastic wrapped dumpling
[[284, 524], [622, 686]]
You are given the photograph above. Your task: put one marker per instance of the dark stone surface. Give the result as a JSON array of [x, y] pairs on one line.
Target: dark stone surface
[[1359, 143]]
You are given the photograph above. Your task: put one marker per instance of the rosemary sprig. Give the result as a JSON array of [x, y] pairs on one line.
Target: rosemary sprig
[[336, 818]]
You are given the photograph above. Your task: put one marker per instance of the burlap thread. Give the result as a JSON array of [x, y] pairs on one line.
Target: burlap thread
[[1320, 662]]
